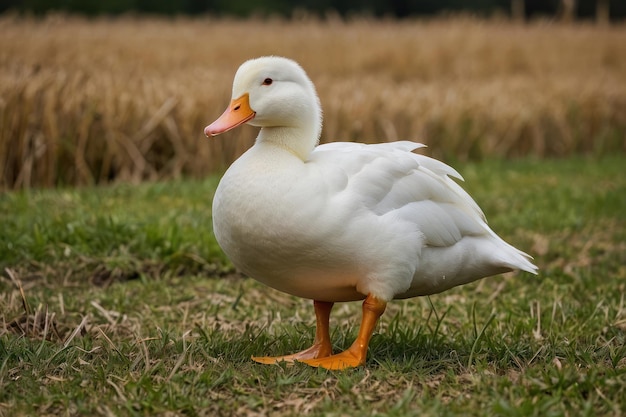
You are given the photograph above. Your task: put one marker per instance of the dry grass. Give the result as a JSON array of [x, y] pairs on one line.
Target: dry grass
[[90, 101]]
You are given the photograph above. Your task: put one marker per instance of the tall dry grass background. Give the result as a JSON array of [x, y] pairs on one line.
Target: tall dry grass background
[[92, 101]]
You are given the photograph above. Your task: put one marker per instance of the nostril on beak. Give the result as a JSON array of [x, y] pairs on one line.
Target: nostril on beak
[[237, 107]]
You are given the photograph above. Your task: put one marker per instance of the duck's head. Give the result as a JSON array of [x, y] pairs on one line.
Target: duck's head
[[273, 93]]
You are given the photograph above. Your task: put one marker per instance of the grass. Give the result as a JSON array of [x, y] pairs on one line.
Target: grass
[[117, 301], [91, 101]]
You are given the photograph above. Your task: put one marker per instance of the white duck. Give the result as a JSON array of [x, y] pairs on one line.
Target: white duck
[[341, 221]]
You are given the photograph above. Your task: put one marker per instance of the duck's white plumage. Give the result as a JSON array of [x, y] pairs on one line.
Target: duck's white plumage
[[341, 221]]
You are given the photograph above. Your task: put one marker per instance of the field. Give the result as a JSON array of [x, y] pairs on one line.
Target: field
[[93, 101], [115, 298], [117, 301]]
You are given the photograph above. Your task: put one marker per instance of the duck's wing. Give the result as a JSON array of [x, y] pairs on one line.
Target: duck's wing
[[417, 194], [390, 180]]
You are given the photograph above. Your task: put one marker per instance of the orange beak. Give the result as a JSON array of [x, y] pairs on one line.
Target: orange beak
[[237, 113]]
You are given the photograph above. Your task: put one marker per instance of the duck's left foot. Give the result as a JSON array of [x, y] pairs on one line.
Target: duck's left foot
[[344, 360], [321, 345]]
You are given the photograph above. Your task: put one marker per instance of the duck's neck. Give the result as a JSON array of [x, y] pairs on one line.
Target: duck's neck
[[299, 141], [297, 128]]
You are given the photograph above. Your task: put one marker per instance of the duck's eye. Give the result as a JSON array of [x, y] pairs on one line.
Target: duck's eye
[[268, 81]]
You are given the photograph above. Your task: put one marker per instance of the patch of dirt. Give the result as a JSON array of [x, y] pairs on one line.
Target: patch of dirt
[[103, 276]]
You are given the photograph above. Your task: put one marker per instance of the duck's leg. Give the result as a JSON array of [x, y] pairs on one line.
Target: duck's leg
[[355, 355], [321, 344]]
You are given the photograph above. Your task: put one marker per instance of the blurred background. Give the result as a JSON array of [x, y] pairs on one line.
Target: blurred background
[[97, 92], [566, 9]]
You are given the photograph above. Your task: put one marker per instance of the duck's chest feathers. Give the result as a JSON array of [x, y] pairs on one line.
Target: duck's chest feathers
[[259, 216]]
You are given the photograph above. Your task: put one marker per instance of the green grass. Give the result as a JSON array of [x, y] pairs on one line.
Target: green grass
[[118, 301]]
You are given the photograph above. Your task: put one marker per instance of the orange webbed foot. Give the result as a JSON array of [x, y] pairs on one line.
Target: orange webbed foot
[[321, 345], [356, 354], [319, 355], [344, 360]]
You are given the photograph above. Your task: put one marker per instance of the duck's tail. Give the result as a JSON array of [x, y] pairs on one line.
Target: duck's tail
[[514, 258]]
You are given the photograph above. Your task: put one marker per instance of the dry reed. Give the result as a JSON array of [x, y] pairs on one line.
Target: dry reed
[[91, 101]]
